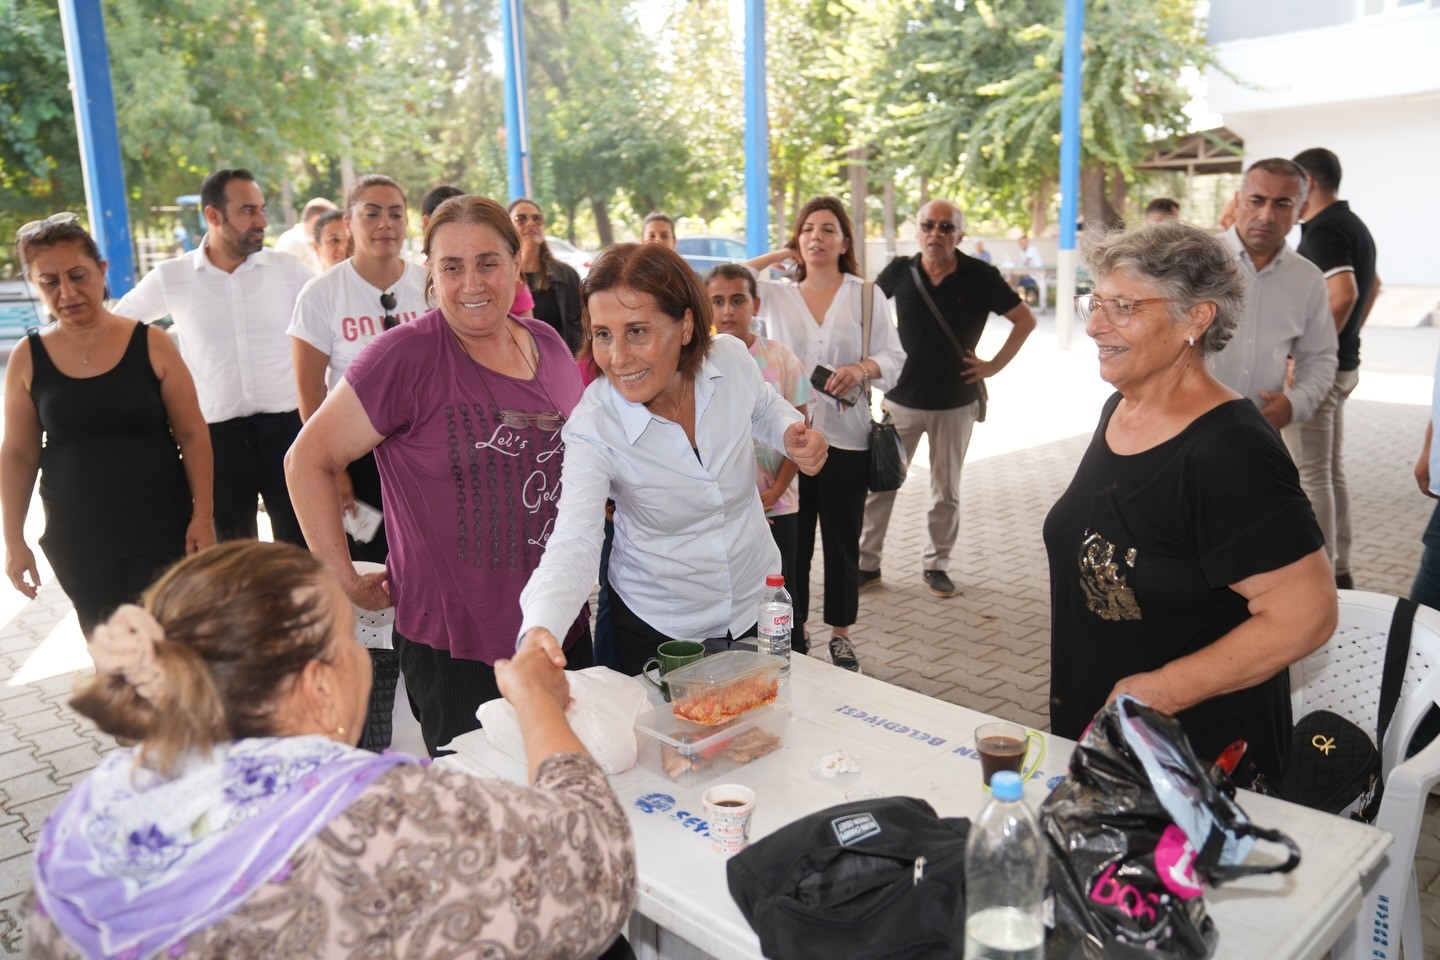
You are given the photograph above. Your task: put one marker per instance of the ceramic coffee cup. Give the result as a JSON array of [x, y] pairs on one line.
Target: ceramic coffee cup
[[671, 655]]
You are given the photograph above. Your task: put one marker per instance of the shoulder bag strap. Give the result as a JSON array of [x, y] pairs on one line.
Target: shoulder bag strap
[[1397, 651], [935, 311]]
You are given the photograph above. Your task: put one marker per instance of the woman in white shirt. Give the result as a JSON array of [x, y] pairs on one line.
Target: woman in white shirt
[[336, 316], [342, 310], [666, 433], [819, 317]]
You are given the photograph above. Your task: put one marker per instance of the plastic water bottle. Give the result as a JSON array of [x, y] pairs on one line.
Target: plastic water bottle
[[1005, 878], [775, 616]]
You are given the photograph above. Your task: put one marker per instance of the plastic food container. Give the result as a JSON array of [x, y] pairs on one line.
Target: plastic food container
[[691, 753], [720, 688]]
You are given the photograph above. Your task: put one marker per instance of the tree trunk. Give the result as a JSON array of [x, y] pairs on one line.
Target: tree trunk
[[1040, 207], [889, 217], [347, 173], [1094, 204], [777, 205], [857, 203], [1119, 190], [924, 191], [601, 209]]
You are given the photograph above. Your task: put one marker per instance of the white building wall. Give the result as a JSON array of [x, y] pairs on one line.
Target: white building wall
[[1368, 90]]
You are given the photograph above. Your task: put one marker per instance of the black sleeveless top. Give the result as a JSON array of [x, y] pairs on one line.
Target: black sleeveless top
[[109, 465]]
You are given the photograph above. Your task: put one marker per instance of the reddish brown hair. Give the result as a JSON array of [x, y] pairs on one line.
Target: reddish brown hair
[[661, 274]]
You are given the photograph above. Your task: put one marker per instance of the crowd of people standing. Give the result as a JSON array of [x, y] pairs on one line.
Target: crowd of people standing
[[520, 433]]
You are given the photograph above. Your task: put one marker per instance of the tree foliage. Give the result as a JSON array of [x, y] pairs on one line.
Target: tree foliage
[[633, 104]]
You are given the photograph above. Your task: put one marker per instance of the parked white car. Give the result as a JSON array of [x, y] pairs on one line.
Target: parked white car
[[567, 252]]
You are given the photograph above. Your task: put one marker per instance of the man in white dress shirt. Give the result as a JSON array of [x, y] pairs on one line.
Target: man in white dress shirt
[[231, 300], [1287, 312]]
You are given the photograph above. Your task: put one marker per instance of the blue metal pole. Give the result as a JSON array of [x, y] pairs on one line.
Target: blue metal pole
[[83, 25], [757, 133], [1069, 169], [517, 132]]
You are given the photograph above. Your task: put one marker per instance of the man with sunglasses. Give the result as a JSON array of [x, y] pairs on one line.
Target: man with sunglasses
[[943, 299], [231, 300]]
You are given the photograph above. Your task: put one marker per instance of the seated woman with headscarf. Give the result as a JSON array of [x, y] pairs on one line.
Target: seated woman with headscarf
[[246, 820]]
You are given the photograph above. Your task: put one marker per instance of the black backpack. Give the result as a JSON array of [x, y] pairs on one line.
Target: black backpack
[[879, 879]]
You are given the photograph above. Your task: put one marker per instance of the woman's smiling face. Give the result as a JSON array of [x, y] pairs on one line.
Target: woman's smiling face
[[636, 345]]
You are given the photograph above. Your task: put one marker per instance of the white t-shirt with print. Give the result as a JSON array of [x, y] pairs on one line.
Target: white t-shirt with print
[[339, 312]]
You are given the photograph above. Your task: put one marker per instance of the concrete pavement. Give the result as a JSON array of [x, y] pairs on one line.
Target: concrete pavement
[[987, 648]]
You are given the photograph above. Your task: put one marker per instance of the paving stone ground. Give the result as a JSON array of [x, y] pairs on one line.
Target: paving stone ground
[[987, 648]]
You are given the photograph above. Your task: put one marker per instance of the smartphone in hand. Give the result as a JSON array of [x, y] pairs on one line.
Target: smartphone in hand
[[821, 375]]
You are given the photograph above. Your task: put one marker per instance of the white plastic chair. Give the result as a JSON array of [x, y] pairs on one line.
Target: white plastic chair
[[1344, 677]]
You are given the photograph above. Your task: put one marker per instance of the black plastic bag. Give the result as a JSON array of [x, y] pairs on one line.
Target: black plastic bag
[[1135, 829]]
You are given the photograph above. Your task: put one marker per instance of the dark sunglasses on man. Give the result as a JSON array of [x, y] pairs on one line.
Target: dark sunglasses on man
[[387, 303]]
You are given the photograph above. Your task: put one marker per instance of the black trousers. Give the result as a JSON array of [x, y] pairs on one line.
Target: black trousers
[[446, 691], [636, 641], [97, 583], [365, 479], [783, 530], [249, 463], [836, 497]]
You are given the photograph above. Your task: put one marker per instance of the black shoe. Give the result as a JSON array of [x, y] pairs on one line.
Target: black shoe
[[939, 583], [868, 579], [1343, 581], [842, 654]]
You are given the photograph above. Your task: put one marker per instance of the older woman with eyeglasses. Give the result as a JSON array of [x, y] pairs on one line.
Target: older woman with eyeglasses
[[463, 408], [1186, 566]]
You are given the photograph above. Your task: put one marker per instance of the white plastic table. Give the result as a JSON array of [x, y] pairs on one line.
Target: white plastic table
[[914, 745]]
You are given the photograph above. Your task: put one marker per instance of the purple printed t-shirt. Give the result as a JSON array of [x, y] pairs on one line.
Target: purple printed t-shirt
[[469, 502]]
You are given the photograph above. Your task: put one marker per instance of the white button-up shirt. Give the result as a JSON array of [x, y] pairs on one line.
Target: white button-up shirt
[[835, 343], [692, 548], [1287, 314], [232, 327]]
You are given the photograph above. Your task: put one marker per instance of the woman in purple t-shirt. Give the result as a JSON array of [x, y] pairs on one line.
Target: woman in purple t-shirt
[[463, 408]]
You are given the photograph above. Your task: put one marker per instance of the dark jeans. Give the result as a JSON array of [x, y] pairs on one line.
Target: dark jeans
[[636, 641], [1426, 588], [96, 583], [446, 691], [836, 498], [250, 462], [604, 631]]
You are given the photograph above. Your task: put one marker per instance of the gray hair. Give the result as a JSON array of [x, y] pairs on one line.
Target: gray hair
[[1186, 263], [959, 213]]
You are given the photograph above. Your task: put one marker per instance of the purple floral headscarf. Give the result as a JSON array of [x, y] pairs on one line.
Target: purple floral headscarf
[[132, 861]]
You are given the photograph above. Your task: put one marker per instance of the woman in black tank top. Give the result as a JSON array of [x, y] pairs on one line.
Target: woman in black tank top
[[102, 408]]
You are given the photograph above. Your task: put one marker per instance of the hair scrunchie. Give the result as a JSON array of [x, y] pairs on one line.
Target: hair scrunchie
[[125, 645]]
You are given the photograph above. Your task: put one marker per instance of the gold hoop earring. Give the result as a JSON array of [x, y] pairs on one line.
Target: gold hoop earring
[[340, 732]]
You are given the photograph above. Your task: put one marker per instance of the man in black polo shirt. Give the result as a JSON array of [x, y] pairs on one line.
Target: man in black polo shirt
[[941, 386], [1336, 241]]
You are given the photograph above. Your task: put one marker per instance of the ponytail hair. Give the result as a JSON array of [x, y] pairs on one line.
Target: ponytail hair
[[218, 643]]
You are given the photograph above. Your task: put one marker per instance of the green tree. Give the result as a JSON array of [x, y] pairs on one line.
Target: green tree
[[979, 96]]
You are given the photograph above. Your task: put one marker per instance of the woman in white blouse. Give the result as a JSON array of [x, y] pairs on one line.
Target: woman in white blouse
[[819, 317], [666, 433]]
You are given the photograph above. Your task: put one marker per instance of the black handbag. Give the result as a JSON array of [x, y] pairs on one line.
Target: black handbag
[[875, 879], [1332, 761], [888, 462]]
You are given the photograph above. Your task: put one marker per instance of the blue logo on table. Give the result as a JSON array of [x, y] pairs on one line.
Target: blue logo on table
[[655, 802]]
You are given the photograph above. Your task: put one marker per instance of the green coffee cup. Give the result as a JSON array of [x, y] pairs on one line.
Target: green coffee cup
[[671, 655]]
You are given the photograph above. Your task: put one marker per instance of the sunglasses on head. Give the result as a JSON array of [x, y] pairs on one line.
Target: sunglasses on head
[[387, 303], [35, 226]]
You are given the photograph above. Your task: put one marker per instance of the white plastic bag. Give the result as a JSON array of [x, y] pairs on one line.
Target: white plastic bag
[[602, 712]]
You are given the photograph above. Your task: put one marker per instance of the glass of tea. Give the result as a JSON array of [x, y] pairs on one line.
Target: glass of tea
[[1003, 745]]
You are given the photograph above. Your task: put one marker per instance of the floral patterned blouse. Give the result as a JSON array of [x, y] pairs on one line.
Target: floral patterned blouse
[[435, 863]]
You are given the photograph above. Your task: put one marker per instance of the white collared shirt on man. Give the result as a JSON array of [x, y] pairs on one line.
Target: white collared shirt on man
[[1287, 314], [692, 547], [232, 327]]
